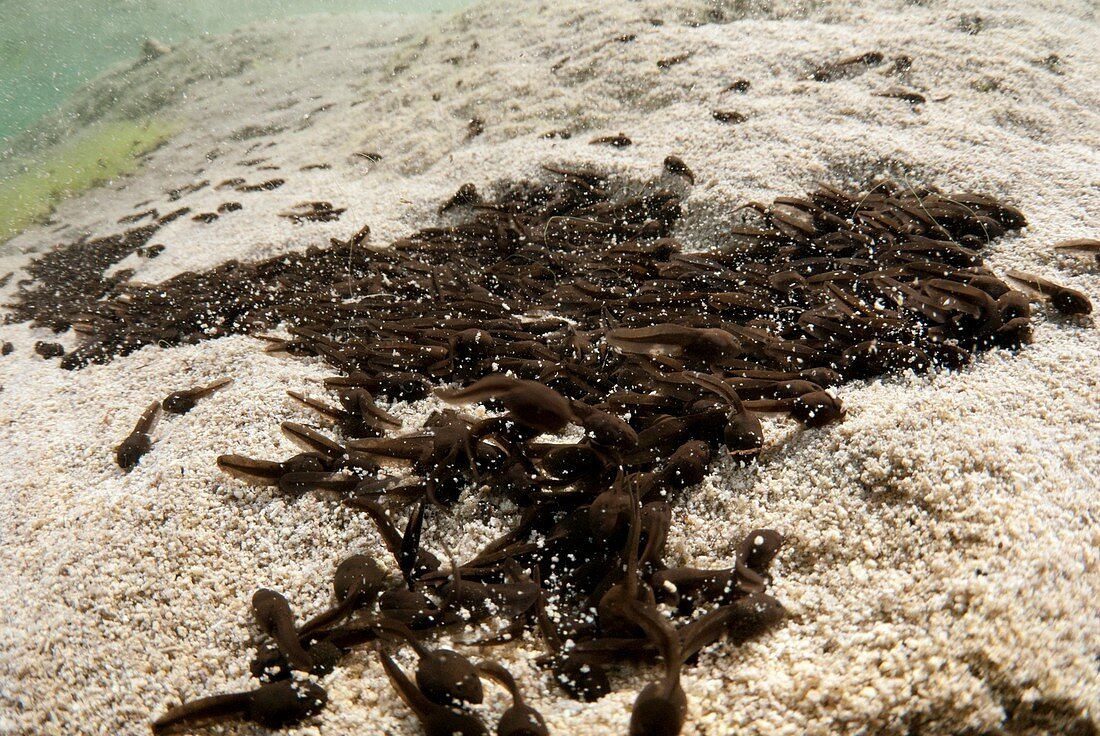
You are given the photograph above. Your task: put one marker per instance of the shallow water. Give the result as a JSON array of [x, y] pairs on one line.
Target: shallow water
[[49, 49]]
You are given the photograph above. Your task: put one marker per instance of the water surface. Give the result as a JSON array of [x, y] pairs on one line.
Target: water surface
[[49, 49]]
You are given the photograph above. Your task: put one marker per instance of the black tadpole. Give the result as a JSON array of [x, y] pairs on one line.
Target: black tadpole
[[273, 615], [437, 720], [181, 402], [272, 705], [520, 719], [138, 442], [444, 676]]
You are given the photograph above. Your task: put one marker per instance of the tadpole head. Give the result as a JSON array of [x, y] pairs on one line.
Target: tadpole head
[[571, 462], [325, 656], [657, 712], [179, 402], [688, 465], [759, 548], [743, 435], [1071, 302], [584, 682], [305, 462], [266, 605], [359, 571], [413, 609], [609, 513], [269, 664], [285, 703], [131, 449], [448, 678], [608, 430], [522, 720], [753, 615], [818, 408]]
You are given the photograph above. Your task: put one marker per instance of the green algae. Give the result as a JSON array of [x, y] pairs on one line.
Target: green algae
[[31, 188]]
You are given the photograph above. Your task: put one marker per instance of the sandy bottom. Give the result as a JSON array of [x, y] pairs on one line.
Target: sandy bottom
[[942, 542]]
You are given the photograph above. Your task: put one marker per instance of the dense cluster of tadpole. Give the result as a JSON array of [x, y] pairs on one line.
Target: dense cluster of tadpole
[[564, 308], [568, 312]]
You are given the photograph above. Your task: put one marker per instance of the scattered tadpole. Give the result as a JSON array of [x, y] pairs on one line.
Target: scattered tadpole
[[138, 442], [49, 349], [616, 141], [675, 165], [264, 186], [183, 401], [729, 116], [672, 61], [528, 402], [913, 98], [274, 617], [128, 219], [149, 251], [313, 212], [1080, 246], [436, 719], [740, 86], [847, 67], [520, 719], [466, 195], [1066, 300]]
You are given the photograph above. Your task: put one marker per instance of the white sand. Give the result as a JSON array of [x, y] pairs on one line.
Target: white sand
[[942, 560]]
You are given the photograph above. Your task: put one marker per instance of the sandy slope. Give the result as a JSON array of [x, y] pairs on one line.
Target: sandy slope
[[943, 540]]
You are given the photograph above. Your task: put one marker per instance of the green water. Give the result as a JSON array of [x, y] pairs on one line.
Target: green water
[[49, 48]]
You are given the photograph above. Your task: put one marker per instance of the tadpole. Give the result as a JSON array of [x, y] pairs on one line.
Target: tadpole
[[357, 582], [519, 719], [272, 705], [181, 402], [437, 720], [1066, 300], [444, 676], [273, 615], [138, 442]]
